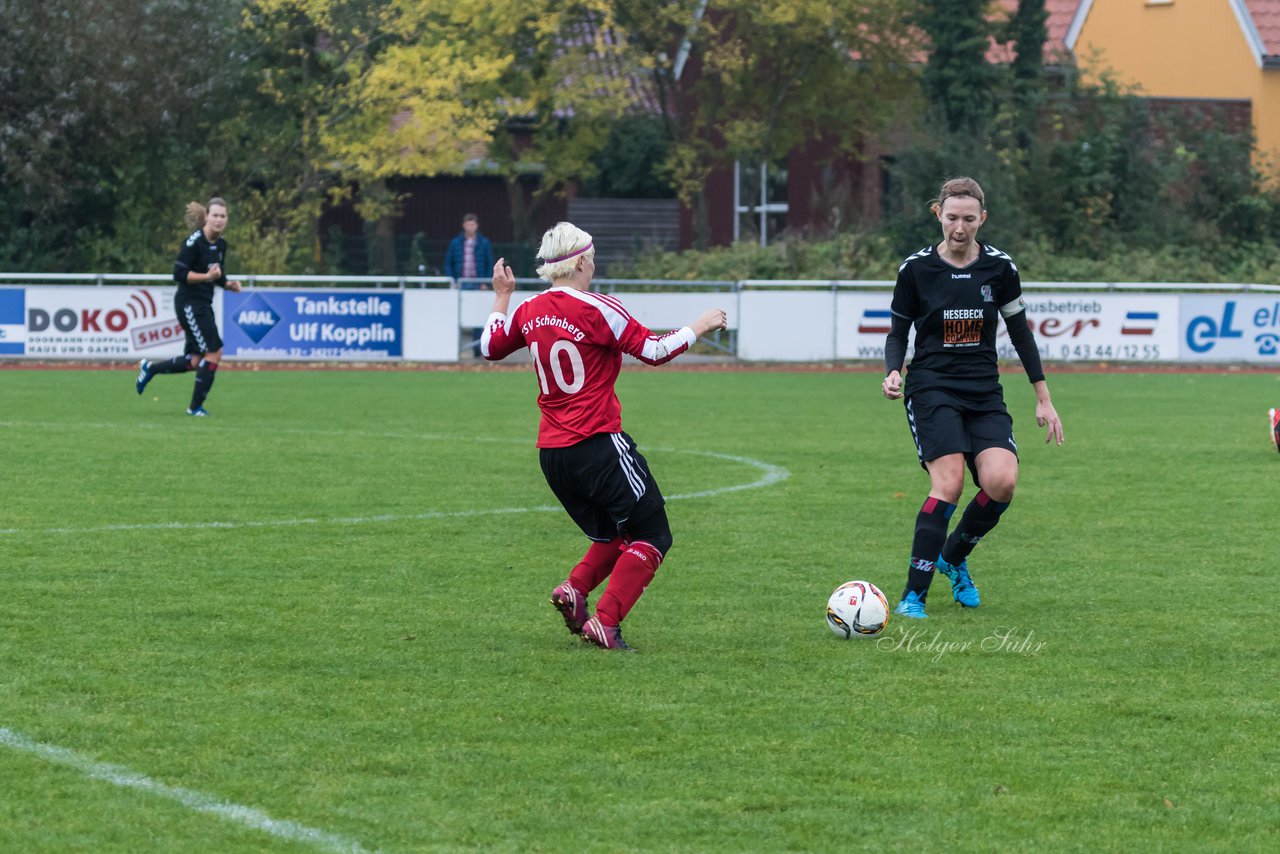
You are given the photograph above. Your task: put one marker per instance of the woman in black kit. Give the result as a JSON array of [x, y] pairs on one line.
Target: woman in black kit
[[954, 293], [197, 269]]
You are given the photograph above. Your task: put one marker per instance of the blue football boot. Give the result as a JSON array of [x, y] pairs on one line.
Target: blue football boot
[[962, 587], [912, 605], [144, 375]]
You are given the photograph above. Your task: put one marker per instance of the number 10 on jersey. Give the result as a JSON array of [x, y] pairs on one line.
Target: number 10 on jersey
[[556, 365]]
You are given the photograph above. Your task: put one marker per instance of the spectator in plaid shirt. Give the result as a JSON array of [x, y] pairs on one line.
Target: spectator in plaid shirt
[[470, 255]]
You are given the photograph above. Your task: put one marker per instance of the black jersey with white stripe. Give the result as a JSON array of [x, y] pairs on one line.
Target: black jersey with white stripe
[[197, 255], [955, 311]]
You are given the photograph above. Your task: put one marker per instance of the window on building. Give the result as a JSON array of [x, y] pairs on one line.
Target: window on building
[[759, 201]]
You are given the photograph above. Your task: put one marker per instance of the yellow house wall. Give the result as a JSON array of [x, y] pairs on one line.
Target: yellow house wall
[[1266, 119], [1183, 49]]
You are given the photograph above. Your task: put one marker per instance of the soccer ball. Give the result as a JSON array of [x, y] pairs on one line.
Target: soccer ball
[[857, 609]]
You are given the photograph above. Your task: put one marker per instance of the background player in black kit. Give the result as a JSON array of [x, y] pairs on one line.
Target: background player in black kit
[[197, 269], [953, 293]]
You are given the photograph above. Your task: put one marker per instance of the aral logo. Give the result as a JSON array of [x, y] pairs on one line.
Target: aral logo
[[256, 318]]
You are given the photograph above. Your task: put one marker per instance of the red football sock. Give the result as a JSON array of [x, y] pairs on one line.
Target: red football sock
[[595, 566], [631, 575]]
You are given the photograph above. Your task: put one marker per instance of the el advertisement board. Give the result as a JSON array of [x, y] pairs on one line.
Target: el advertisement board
[[1223, 328]]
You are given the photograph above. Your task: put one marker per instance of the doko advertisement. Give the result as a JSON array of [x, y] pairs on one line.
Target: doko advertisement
[[85, 322], [313, 324]]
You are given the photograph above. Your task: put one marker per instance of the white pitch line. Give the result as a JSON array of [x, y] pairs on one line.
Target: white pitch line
[[281, 523], [769, 475], [117, 775], [269, 431]]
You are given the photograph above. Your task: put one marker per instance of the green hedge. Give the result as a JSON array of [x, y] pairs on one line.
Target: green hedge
[[875, 257]]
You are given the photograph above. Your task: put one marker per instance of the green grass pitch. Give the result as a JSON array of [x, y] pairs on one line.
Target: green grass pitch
[[318, 620]]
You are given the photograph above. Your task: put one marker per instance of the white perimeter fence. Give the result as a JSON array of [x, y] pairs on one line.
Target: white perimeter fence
[[432, 319]]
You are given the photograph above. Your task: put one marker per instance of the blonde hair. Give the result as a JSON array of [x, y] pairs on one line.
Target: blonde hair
[[959, 187], [197, 213], [562, 246]]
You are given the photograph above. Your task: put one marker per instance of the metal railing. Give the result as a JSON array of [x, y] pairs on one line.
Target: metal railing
[[607, 285], [250, 280]]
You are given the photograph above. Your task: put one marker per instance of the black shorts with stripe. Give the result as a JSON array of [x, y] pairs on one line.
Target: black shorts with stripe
[[198, 321], [603, 483], [944, 423]]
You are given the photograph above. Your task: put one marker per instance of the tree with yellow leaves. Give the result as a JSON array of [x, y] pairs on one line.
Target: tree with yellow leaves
[[369, 91]]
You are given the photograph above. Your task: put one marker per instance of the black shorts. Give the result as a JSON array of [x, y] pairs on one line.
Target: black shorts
[[604, 484], [200, 325], [943, 423]]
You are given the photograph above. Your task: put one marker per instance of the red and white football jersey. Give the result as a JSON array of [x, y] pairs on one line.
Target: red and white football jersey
[[576, 340]]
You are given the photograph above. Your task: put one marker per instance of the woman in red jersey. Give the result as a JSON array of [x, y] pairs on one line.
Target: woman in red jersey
[[576, 339]]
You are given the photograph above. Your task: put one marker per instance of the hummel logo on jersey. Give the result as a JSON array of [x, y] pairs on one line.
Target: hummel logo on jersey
[[962, 275]]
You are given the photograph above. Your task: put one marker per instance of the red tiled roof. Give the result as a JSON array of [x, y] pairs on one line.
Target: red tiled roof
[[1060, 12], [1265, 15], [1266, 19]]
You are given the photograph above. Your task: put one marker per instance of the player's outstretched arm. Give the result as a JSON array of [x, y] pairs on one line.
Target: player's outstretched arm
[[504, 285], [709, 321], [652, 349], [497, 341], [1046, 415], [892, 385], [895, 356]]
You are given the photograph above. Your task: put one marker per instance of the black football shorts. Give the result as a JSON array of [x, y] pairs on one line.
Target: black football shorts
[[943, 423], [200, 325], [603, 483]]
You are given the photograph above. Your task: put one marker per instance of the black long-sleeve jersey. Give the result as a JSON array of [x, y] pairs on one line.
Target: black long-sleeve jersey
[[956, 311], [197, 255]]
